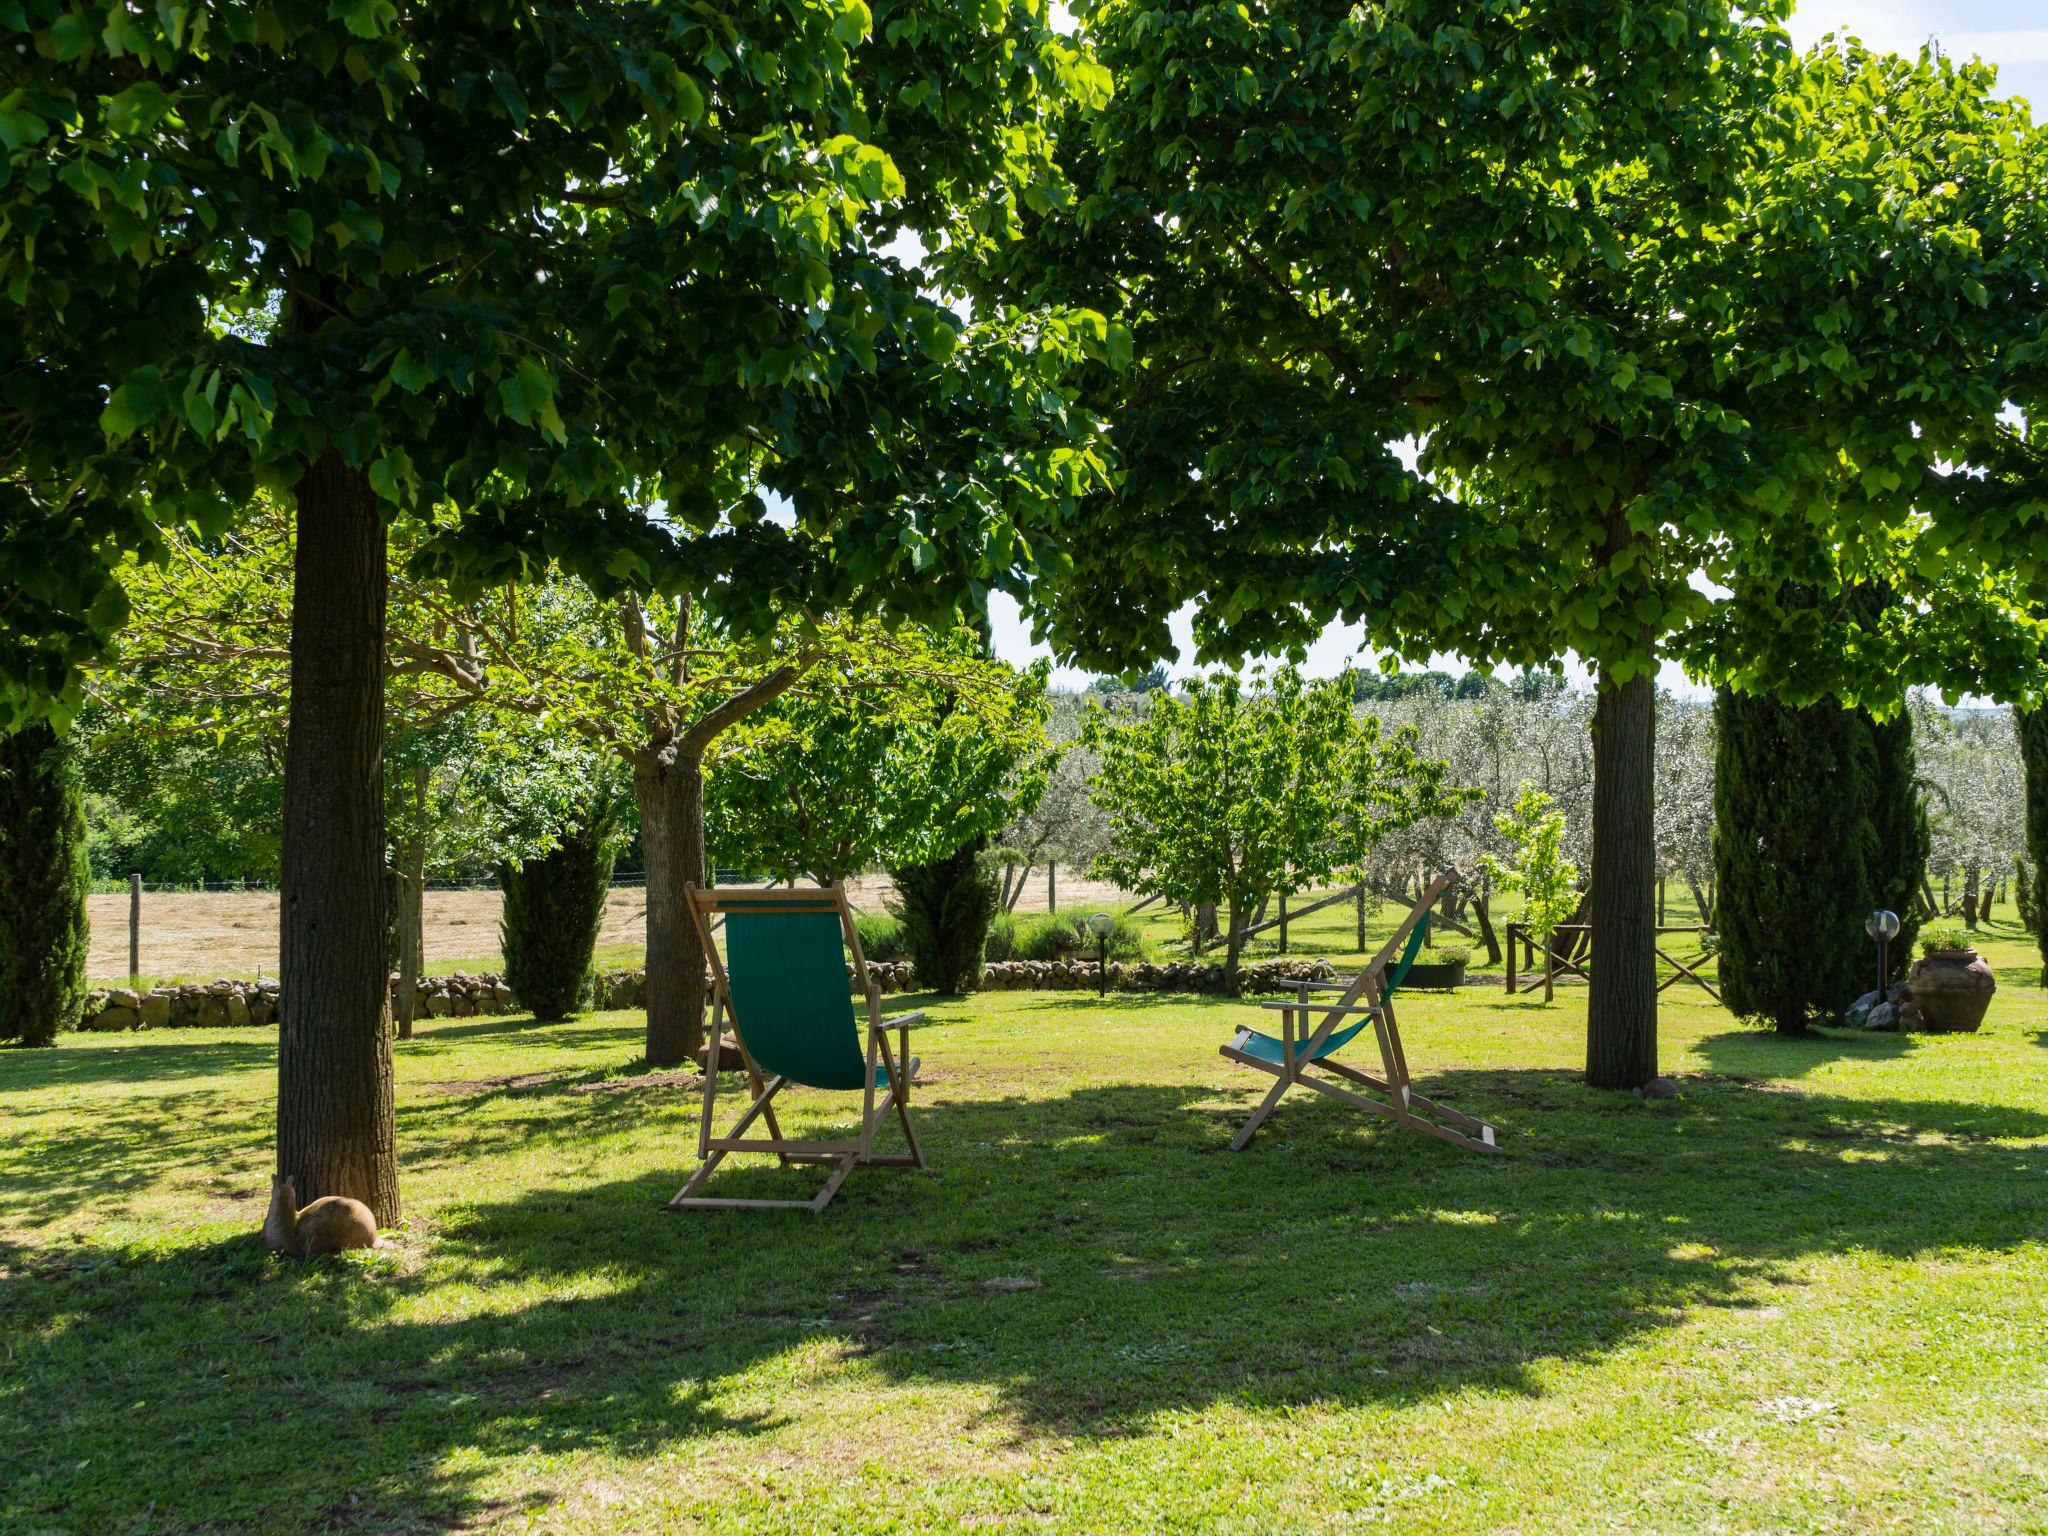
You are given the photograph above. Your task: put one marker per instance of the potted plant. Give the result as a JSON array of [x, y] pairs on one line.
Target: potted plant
[[1444, 971], [1950, 986]]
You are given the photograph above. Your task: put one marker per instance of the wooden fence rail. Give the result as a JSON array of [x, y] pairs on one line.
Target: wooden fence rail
[[1573, 956]]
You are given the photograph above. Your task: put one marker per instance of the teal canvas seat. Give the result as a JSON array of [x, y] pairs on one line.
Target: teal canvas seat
[[782, 985], [1271, 1048], [1306, 1054]]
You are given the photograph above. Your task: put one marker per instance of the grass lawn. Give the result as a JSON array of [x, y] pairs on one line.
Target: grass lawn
[[1810, 1294]]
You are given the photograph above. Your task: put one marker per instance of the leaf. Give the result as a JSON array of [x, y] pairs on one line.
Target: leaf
[[138, 400]]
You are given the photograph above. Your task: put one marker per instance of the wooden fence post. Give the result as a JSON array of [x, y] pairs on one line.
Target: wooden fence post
[[1361, 916], [1283, 922], [1051, 887], [134, 929], [1660, 900], [1512, 936]]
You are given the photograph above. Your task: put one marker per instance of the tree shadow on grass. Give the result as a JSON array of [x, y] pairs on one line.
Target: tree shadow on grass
[[1145, 1270], [80, 1065], [1758, 1055]]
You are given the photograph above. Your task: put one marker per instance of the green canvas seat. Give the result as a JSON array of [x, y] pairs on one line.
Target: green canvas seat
[[1270, 1048], [1306, 1054], [781, 983]]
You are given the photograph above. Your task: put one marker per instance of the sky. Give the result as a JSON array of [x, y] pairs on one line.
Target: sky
[[2013, 34]]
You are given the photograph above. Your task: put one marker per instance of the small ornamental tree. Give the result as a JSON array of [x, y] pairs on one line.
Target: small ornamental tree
[[1234, 790], [553, 907], [1792, 792], [2031, 726], [912, 756], [1536, 867], [44, 877], [947, 905]]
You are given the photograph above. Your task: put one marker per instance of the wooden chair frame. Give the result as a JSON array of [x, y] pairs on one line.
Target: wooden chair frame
[[1365, 994], [898, 1067]]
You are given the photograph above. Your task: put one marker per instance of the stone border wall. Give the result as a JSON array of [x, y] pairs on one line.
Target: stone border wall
[[459, 995], [463, 995]]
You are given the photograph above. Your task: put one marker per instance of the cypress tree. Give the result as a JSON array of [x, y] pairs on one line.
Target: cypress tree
[[1899, 837], [1791, 805], [44, 877], [2031, 726], [553, 907], [946, 908]]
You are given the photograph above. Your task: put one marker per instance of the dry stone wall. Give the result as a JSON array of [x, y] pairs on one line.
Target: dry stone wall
[[459, 995]]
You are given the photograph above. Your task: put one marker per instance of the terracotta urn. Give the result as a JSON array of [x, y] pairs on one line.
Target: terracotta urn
[[1950, 989]]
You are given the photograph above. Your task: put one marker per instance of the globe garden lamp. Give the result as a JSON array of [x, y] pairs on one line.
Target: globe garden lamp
[[1101, 925], [1882, 926]]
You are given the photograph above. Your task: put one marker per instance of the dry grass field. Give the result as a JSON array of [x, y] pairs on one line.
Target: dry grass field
[[201, 935]]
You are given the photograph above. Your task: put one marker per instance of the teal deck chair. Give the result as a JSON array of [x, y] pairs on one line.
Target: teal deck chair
[[1307, 1056], [781, 983]]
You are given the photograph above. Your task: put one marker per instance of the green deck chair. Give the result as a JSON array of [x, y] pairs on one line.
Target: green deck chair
[[1306, 1056], [782, 984]]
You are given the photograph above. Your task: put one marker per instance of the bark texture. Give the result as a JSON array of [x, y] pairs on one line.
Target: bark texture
[[335, 1133], [1621, 1018], [670, 790]]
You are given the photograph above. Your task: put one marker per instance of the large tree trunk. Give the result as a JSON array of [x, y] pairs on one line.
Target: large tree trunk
[[335, 1134], [1621, 1015], [670, 790], [1971, 875]]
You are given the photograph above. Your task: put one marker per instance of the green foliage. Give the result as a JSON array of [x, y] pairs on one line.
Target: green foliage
[[1651, 292], [911, 745], [44, 877], [1947, 939], [553, 907], [1047, 936], [946, 905], [1899, 834], [2032, 728], [1002, 938], [180, 807], [881, 935], [1233, 791], [1452, 954], [1536, 865], [541, 270], [1058, 935], [1792, 801]]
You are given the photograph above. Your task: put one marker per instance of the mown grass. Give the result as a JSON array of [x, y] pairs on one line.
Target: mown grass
[[1810, 1294]]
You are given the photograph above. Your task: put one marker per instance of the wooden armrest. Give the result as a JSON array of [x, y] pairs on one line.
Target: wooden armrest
[[1325, 1009], [902, 1020]]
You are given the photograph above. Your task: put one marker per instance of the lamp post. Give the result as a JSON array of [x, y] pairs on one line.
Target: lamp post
[[1100, 925], [1882, 926]]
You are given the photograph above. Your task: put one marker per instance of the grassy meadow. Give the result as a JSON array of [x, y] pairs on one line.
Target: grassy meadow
[[1809, 1294]]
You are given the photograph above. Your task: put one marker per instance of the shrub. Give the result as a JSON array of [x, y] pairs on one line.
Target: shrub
[[881, 936], [44, 876], [1453, 954], [1791, 827], [1126, 940], [947, 906], [1050, 936], [1047, 936], [1935, 941], [553, 906], [1002, 938]]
